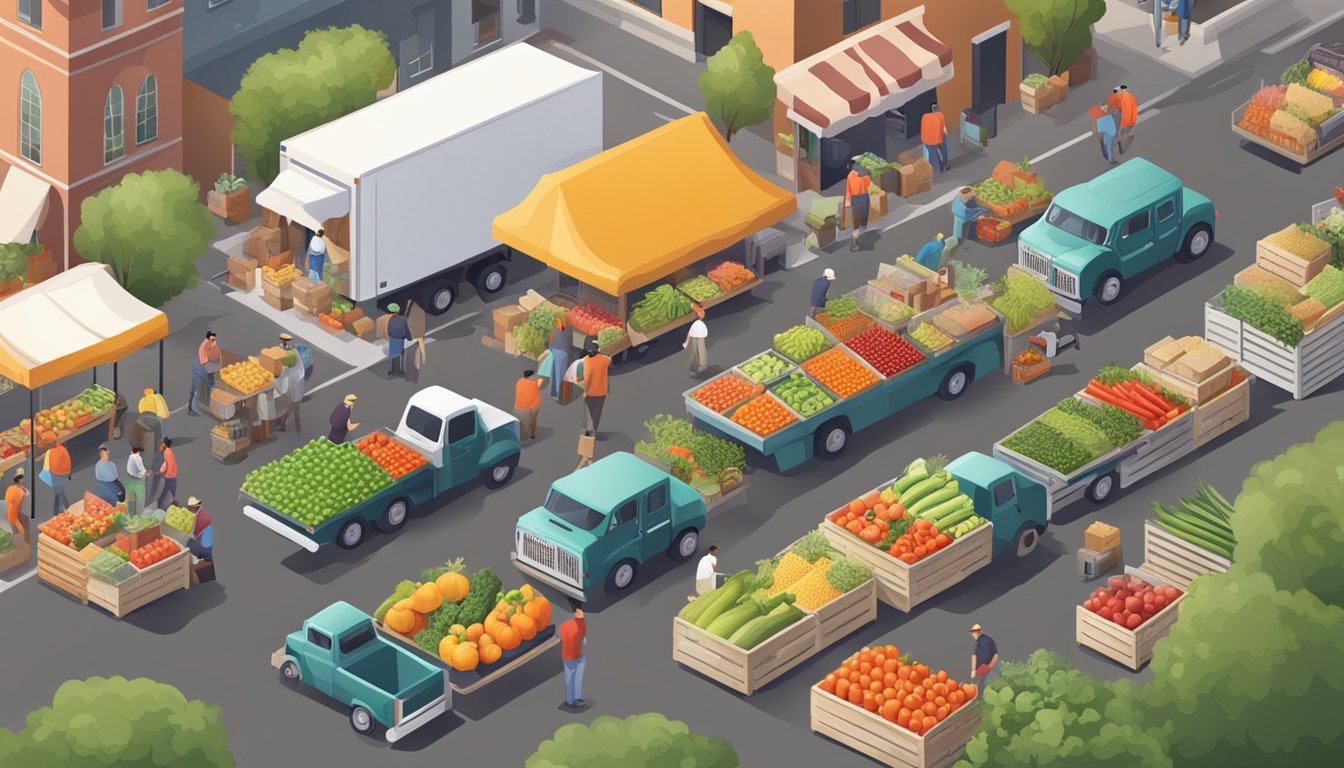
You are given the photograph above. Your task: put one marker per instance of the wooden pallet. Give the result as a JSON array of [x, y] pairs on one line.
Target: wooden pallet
[[887, 742], [1131, 647], [904, 586], [61, 567], [1177, 560], [160, 579]]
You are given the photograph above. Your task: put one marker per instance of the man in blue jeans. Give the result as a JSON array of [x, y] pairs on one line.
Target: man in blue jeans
[[573, 646], [317, 256]]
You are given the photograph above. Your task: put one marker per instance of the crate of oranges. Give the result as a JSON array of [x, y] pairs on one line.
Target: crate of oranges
[[247, 377], [725, 391], [154, 552], [396, 459], [840, 372], [764, 415]]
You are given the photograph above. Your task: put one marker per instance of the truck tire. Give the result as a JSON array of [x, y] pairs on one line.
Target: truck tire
[[491, 278], [501, 472], [1110, 287], [622, 575], [1102, 487], [362, 720], [351, 534], [832, 439], [289, 672], [956, 382], [1197, 242], [685, 545], [1027, 539], [439, 298], [394, 517]]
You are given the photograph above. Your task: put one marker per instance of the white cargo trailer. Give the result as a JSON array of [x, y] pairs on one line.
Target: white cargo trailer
[[415, 180]]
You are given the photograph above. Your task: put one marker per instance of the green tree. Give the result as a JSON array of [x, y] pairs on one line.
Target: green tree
[[1290, 517], [639, 741], [332, 73], [1250, 675], [1046, 712], [150, 229], [118, 723], [1057, 31], [738, 87]]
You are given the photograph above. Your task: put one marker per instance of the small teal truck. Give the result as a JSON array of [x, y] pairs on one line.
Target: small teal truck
[[1097, 236], [460, 438], [339, 654], [599, 524]]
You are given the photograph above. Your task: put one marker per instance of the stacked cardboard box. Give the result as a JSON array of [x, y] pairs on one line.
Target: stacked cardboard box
[[350, 318], [362, 327], [242, 273], [272, 359], [1101, 538], [507, 319], [279, 297], [1190, 366], [311, 298], [264, 243]]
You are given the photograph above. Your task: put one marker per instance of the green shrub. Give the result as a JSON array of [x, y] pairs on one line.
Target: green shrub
[[639, 741]]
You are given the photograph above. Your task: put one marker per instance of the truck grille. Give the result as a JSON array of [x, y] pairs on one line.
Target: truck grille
[[550, 558], [1065, 282], [1030, 258]]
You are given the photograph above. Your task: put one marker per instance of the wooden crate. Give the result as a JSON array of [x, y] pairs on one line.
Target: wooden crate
[[743, 671], [1025, 374], [1316, 361], [224, 447], [1194, 391], [851, 611], [1131, 647], [61, 566], [146, 586], [1176, 560], [1290, 267], [1225, 410], [904, 586], [887, 742]]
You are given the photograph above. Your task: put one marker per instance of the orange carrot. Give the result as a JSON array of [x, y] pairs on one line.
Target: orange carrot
[[1148, 397], [1124, 399]]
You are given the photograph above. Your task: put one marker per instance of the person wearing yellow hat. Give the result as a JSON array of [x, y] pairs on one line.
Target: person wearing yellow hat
[[931, 255], [203, 534], [341, 421]]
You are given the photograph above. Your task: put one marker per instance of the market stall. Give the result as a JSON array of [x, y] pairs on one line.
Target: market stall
[[627, 231], [1013, 195], [1299, 118]]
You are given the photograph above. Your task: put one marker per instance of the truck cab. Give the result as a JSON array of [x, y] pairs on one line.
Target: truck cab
[[1016, 505], [600, 523], [463, 438], [1097, 236], [339, 654]]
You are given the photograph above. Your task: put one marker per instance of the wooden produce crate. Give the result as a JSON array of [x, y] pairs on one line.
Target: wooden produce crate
[[1316, 361], [62, 567], [146, 586], [904, 586], [1225, 410], [743, 671], [1025, 374], [1194, 391], [851, 611], [17, 556], [887, 742], [1130, 647], [1175, 560], [1290, 267], [224, 447]]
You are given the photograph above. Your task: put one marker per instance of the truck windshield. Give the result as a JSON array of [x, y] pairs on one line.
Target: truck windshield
[[573, 512], [357, 639], [424, 423], [1075, 225]]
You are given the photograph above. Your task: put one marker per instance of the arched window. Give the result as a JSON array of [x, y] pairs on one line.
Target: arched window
[[147, 111], [30, 118], [114, 126]]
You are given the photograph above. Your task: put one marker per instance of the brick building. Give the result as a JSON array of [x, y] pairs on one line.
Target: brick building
[[97, 86]]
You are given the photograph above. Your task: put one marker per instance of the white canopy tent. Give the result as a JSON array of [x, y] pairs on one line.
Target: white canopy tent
[[22, 200], [304, 197]]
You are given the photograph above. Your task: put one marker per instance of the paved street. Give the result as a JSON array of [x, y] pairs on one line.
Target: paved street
[[214, 642]]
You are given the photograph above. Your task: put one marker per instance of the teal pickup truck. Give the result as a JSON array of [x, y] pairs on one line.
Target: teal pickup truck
[[339, 654], [1097, 236]]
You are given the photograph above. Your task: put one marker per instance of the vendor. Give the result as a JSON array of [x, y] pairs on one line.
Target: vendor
[[557, 362], [108, 487], [965, 212], [203, 535], [930, 256]]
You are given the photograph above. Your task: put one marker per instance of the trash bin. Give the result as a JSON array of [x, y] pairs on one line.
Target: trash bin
[[986, 116], [767, 244]]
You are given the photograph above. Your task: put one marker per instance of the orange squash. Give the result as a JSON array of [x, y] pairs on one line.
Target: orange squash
[[492, 624], [474, 632], [446, 646], [527, 592], [489, 654], [427, 598], [453, 585], [465, 657], [484, 641], [457, 629], [507, 637], [539, 610], [400, 620], [527, 628], [421, 621]]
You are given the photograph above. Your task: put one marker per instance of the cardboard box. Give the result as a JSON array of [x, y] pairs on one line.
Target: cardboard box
[[363, 326], [263, 243], [273, 360], [588, 446], [877, 204], [242, 265], [1200, 364], [245, 282], [313, 306], [1162, 354], [279, 303], [300, 287], [923, 170], [909, 156], [270, 219], [338, 256], [508, 318], [352, 317], [923, 185], [907, 181], [1100, 537]]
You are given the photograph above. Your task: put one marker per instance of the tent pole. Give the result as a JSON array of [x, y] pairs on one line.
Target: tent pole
[[95, 375], [32, 460], [114, 379], [160, 366]]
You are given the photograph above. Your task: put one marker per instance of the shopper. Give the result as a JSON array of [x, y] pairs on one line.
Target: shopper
[[930, 255], [1182, 10], [595, 366], [1129, 117], [857, 201], [56, 469], [14, 497], [168, 475], [289, 387], [203, 370], [573, 651], [696, 339], [1107, 124], [820, 287], [108, 485], [135, 481], [202, 545], [933, 132], [705, 571], [559, 352], [341, 422], [527, 403], [986, 656], [398, 333], [317, 256]]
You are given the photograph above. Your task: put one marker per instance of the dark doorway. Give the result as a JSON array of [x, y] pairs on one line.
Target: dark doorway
[[713, 30], [989, 70], [903, 121], [868, 136]]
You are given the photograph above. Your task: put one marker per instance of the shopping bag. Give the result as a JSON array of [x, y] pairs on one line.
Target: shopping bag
[[45, 477], [417, 361]]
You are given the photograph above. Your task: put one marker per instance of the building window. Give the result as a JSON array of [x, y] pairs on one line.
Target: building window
[[152, 4], [653, 5], [215, 3], [111, 13], [485, 21], [114, 126], [418, 51], [147, 111], [30, 118], [30, 12], [860, 13]]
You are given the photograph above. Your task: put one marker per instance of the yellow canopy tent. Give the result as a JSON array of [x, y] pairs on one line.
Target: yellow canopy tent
[[645, 209]]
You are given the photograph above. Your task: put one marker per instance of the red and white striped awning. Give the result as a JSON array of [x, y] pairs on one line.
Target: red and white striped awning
[[865, 75]]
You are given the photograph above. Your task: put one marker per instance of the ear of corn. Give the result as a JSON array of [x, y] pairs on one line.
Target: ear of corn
[[814, 590], [791, 568]]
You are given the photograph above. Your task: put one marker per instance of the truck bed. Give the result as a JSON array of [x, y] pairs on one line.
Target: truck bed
[[394, 672], [1313, 152]]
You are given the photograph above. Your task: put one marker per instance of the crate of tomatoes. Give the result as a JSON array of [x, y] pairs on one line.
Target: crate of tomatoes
[[1124, 619]]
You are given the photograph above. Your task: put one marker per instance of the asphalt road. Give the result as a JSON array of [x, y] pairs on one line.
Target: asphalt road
[[214, 642]]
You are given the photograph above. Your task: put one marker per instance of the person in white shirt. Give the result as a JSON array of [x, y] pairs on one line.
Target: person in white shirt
[[706, 571], [695, 341], [135, 481]]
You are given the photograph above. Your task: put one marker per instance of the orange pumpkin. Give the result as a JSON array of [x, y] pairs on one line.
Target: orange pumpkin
[[527, 628], [427, 598], [457, 629], [421, 621], [446, 646], [453, 586], [507, 637], [539, 609], [465, 657], [400, 620], [474, 632], [489, 654], [484, 641]]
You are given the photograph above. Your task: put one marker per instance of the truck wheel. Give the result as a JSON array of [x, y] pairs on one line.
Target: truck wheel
[[1027, 539], [955, 382], [832, 439], [1109, 288], [394, 517], [501, 472], [289, 672], [1101, 488], [439, 298], [1197, 242], [362, 720], [685, 545], [490, 280], [351, 535], [622, 576]]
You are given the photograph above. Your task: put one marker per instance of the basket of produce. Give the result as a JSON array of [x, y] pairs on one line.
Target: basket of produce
[[1124, 619], [111, 566], [840, 371], [589, 319], [730, 275], [724, 391], [1187, 540], [842, 318], [246, 377], [962, 320], [146, 557], [1023, 300], [710, 464], [83, 523], [803, 395], [801, 343], [880, 305], [887, 352], [700, 288], [765, 368], [395, 458], [764, 415], [659, 306], [931, 339], [1029, 366]]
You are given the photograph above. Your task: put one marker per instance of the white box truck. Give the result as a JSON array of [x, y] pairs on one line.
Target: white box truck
[[423, 173]]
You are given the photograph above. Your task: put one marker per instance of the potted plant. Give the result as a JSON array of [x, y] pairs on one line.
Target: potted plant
[[13, 268], [229, 198], [34, 263], [1059, 34]]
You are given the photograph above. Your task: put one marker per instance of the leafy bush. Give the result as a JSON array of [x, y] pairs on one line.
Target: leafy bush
[[738, 86], [713, 454], [1262, 314], [118, 723], [639, 741]]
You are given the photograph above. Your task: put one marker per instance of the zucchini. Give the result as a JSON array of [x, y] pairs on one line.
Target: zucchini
[[912, 477], [959, 516], [732, 620], [759, 630], [936, 514], [923, 488], [946, 493], [1220, 504], [724, 598]]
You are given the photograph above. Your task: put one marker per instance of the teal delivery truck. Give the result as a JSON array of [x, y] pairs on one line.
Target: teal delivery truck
[[1095, 237]]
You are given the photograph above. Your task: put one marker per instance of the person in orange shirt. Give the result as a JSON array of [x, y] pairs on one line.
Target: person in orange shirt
[[1129, 117], [168, 471], [933, 132], [56, 469], [527, 403], [594, 376], [856, 200], [14, 496], [573, 654]]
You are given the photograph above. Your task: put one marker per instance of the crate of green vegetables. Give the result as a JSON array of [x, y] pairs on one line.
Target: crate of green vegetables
[[111, 566]]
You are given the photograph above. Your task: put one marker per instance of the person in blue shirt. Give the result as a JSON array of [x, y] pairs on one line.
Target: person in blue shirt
[[931, 255], [1182, 10], [964, 212], [819, 288], [398, 333], [317, 256], [1108, 125]]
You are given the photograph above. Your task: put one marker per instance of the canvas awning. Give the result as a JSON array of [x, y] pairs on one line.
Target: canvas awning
[[72, 322], [304, 197], [867, 74], [22, 199], [640, 211]]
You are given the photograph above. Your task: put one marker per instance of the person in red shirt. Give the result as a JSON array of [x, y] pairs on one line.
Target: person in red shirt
[[573, 644], [933, 132], [168, 472], [527, 403], [1129, 117], [856, 199]]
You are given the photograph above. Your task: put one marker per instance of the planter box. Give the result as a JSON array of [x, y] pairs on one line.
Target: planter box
[[146, 586], [1316, 361], [1036, 100], [1130, 647], [61, 567], [1290, 267], [235, 207], [904, 586], [1176, 560], [887, 742], [40, 267], [1060, 85]]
